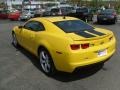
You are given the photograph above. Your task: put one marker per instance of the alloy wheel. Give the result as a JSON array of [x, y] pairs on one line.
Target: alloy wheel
[[45, 61], [14, 40]]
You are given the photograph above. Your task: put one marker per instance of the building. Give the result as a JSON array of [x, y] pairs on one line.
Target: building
[[18, 4]]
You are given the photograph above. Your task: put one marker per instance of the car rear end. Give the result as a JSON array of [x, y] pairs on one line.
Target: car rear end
[[88, 46], [107, 16], [86, 52], [25, 16], [84, 13], [62, 10], [56, 12]]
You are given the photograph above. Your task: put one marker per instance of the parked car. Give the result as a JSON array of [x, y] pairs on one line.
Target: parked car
[[39, 12], [63, 10], [4, 14], [83, 13], [25, 15], [15, 15], [64, 43], [59, 10], [107, 15], [46, 13]]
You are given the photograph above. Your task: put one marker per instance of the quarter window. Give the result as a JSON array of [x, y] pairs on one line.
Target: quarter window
[[34, 26]]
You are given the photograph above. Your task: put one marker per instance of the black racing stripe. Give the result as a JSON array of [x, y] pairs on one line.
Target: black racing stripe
[[96, 32], [84, 34]]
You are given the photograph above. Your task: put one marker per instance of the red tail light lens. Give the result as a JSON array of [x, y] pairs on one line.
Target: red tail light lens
[[84, 46], [75, 46]]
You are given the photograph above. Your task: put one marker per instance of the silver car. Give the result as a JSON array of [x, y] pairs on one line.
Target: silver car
[[26, 15]]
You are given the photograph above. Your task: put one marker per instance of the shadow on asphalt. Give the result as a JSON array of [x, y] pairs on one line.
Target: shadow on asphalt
[[78, 74], [81, 73]]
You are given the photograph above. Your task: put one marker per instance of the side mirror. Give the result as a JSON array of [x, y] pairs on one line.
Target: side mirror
[[20, 27]]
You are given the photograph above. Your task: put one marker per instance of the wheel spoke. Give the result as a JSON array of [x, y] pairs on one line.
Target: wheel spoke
[[48, 64], [44, 61], [14, 40], [43, 55], [46, 68]]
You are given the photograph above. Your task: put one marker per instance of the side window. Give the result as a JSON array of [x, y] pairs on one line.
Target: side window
[[34, 26], [38, 26], [28, 25]]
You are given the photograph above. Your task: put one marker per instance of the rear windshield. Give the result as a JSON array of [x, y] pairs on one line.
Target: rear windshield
[[82, 10], [73, 26], [55, 10], [109, 11]]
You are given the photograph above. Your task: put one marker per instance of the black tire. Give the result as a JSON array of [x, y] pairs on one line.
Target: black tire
[[14, 40], [114, 21], [91, 18], [98, 21], [46, 62]]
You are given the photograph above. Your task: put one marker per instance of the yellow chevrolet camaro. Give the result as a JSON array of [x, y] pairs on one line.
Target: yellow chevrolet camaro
[[64, 43]]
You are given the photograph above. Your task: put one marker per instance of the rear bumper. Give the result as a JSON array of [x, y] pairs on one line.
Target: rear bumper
[[106, 19], [68, 62], [88, 62]]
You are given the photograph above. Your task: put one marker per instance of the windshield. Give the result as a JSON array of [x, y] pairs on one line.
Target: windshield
[[73, 26]]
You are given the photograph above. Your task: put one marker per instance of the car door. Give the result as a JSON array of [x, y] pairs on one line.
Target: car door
[[29, 34]]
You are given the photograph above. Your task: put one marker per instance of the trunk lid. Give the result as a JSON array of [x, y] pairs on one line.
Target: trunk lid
[[89, 35], [97, 37]]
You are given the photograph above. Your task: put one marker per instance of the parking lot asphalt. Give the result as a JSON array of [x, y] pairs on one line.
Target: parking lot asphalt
[[19, 70]]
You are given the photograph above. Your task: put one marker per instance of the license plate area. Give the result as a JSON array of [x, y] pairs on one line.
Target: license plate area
[[104, 18], [102, 53]]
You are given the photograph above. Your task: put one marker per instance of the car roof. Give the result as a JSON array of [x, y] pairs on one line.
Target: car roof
[[56, 19]]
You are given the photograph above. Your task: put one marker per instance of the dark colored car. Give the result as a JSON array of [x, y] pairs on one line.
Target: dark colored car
[[46, 13], [83, 13], [107, 15]]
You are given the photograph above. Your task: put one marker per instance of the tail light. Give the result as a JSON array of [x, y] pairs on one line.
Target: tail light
[[114, 14], [75, 46], [84, 46]]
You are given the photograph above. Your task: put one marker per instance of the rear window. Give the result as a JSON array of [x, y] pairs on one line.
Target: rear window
[[73, 26], [54, 10], [82, 10], [109, 11]]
